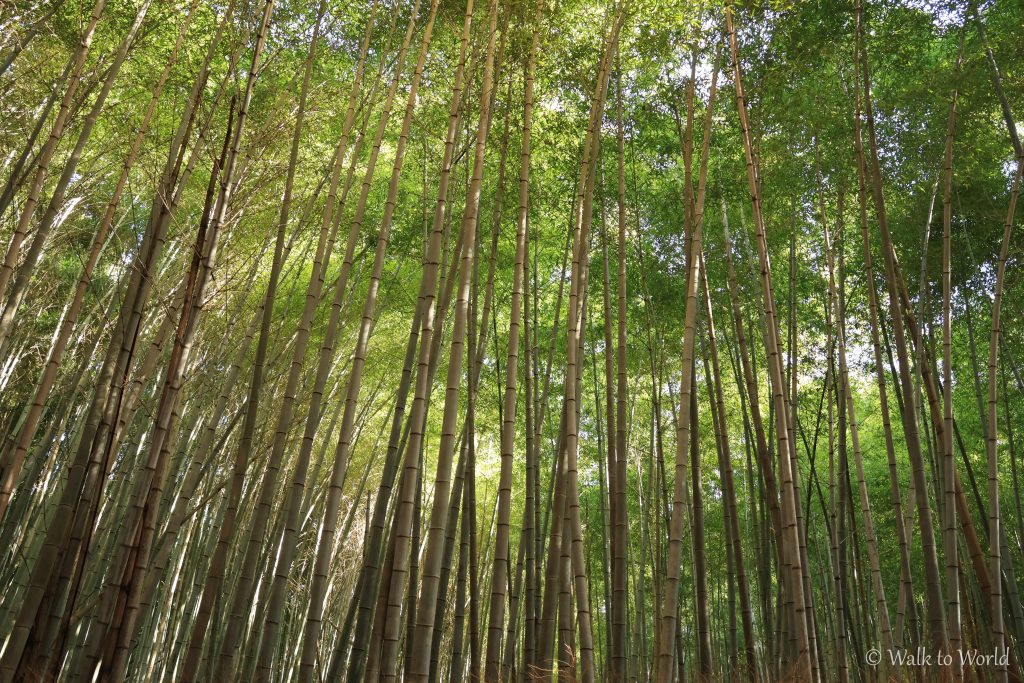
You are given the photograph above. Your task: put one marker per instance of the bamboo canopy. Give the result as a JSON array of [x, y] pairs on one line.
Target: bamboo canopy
[[509, 340]]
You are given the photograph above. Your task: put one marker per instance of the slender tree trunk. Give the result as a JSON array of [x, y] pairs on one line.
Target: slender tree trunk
[[42, 164], [949, 535], [218, 564], [46, 382], [577, 298], [670, 607], [49, 218], [936, 614], [325, 543], [122, 632], [994, 521], [426, 610], [268, 640], [620, 524], [790, 541], [63, 536], [717, 402], [837, 301], [509, 407]]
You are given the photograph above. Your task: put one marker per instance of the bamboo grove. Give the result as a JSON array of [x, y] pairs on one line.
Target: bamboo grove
[[626, 340]]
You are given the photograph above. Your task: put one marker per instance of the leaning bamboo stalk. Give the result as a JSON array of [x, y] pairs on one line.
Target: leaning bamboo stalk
[[936, 615], [994, 522], [806, 662], [246, 585], [717, 402], [217, 566], [499, 574], [327, 530], [59, 346], [577, 297], [422, 327], [426, 609], [685, 426], [949, 536], [204, 261], [268, 640], [42, 164], [882, 610], [49, 219], [80, 495]]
